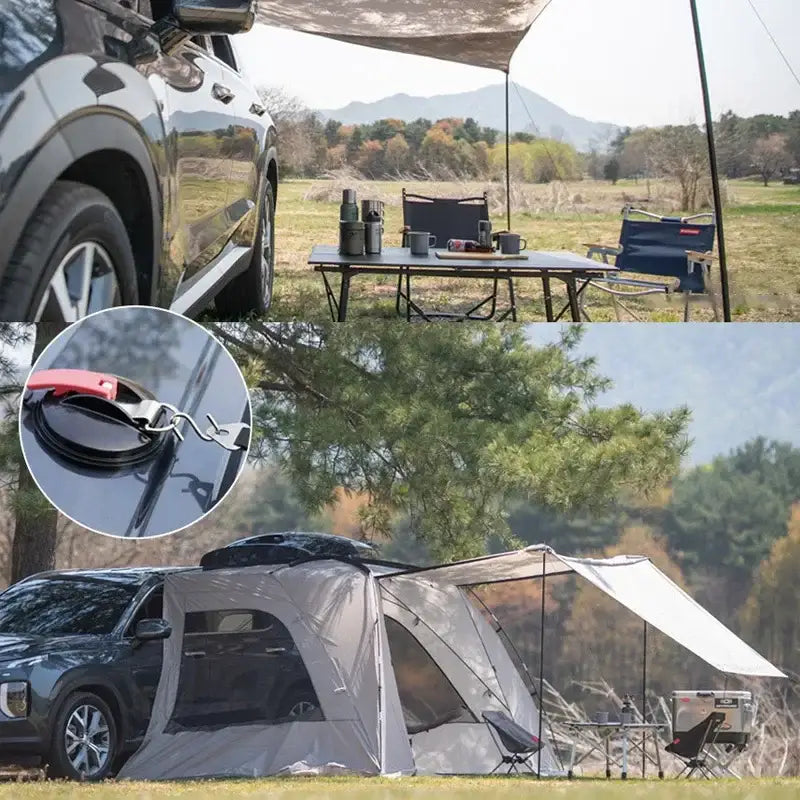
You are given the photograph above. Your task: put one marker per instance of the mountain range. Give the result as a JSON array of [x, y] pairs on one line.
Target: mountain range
[[528, 112]]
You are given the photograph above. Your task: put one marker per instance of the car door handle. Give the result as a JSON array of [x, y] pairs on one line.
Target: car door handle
[[257, 109], [274, 650], [222, 93], [195, 654]]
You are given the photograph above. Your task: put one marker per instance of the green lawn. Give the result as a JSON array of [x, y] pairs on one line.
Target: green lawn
[[762, 231], [411, 789]]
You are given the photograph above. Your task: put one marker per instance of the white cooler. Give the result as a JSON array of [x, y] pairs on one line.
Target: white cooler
[[689, 708]]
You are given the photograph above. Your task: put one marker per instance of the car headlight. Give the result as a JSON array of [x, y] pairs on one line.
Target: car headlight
[[14, 699]]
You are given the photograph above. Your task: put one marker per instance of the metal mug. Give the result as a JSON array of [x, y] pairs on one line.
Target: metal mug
[[351, 238], [419, 242], [511, 243]]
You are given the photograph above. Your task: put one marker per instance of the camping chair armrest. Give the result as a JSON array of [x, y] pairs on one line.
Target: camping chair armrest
[[603, 250], [698, 257]]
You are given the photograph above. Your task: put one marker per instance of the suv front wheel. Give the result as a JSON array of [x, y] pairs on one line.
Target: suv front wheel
[[73, 258], [85, 743], [251, 292]]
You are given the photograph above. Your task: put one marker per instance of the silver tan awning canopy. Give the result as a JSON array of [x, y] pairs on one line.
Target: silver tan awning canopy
[[634, 582], [483, 33]]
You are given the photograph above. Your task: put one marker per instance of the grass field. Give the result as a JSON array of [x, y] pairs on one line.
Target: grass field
[[411, 789], [762, 227]]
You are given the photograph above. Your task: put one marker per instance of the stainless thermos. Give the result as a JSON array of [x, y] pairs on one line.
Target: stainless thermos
[[485, 234], [373, 235]]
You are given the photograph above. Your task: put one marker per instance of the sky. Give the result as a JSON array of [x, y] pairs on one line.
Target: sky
[[739, 380], [630, 62]]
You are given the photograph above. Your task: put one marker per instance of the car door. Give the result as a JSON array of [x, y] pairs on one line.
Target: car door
[[200, 120], [250, 130], [143, 661]]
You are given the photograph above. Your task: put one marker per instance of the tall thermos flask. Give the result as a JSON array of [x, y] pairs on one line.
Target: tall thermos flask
[[348, 211]]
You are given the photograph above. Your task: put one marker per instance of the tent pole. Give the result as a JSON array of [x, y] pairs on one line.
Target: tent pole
[[712, 157], [508, 163], [644, 694], [541, 666]]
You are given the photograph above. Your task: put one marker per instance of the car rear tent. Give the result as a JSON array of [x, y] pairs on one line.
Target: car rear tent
[[402, 672], [402, 664], [481, 33]]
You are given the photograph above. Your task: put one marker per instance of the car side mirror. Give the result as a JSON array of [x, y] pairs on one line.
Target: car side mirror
[[148, 630], [214, 16]]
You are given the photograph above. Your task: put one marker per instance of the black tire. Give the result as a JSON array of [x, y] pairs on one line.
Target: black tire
[[70, 214], [251, 292], [59, 762], [297, 696]]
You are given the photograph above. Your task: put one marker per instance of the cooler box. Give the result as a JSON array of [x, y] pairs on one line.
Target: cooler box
[[689, 708]]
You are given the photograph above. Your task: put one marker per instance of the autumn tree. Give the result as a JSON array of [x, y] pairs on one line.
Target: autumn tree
[[679, 152], [771, 615], [771, 156]]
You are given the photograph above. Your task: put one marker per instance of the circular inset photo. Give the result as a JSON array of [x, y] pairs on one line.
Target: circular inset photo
[[135, 422]]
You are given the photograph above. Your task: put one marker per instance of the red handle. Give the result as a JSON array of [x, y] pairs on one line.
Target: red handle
[[62, 381]]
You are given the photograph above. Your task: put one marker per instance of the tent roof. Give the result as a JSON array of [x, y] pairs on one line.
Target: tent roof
[[483, 33], [633, 581]]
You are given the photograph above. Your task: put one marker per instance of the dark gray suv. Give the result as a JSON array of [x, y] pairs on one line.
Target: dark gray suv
[[137, 162]]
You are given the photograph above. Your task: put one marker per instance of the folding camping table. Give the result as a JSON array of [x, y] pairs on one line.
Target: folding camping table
[[606, 731], [559, 265]]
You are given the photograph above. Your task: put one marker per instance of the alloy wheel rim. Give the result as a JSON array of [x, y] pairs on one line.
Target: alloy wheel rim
[[87, 740], [266, 251], [84, 281], [302, 708]]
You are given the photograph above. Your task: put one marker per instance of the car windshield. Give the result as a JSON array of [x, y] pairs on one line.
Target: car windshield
[[65, 606]]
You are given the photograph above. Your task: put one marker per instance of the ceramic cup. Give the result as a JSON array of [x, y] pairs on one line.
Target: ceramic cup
[[420, 242], [511, 243]]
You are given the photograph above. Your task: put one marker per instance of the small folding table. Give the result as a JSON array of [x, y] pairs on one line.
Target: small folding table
[[606, 732]]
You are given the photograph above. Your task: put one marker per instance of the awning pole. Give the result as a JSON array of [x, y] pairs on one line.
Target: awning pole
[[644, 695], [712, 157], [541, 666], [508, 163]]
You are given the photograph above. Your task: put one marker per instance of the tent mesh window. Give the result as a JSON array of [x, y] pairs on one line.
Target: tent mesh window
[[240, 667], [427, 697]]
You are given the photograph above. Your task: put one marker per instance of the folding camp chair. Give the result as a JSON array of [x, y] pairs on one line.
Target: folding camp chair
[[519, 744], [690, 747], [447, 218], [674, 247]]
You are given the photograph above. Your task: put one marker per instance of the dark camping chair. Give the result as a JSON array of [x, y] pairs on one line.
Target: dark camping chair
[[447, 218], [516, 744], [663, 247], [690, 747]]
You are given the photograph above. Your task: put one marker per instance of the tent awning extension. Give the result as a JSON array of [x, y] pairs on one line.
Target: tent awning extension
[[634, 582], [483, 34]]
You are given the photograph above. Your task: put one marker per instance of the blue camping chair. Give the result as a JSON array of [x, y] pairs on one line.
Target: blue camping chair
[[662, 247]]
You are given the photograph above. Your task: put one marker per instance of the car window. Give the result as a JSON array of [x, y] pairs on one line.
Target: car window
[[233, 621], [151, 608], [65, 606], [223, 51], [201, 42]]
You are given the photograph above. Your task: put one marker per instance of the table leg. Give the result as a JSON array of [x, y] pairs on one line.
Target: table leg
[[548, 298], [624, 753], [572, 294], [608, 757], [344, 296], [657, 744], [571, 758]]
